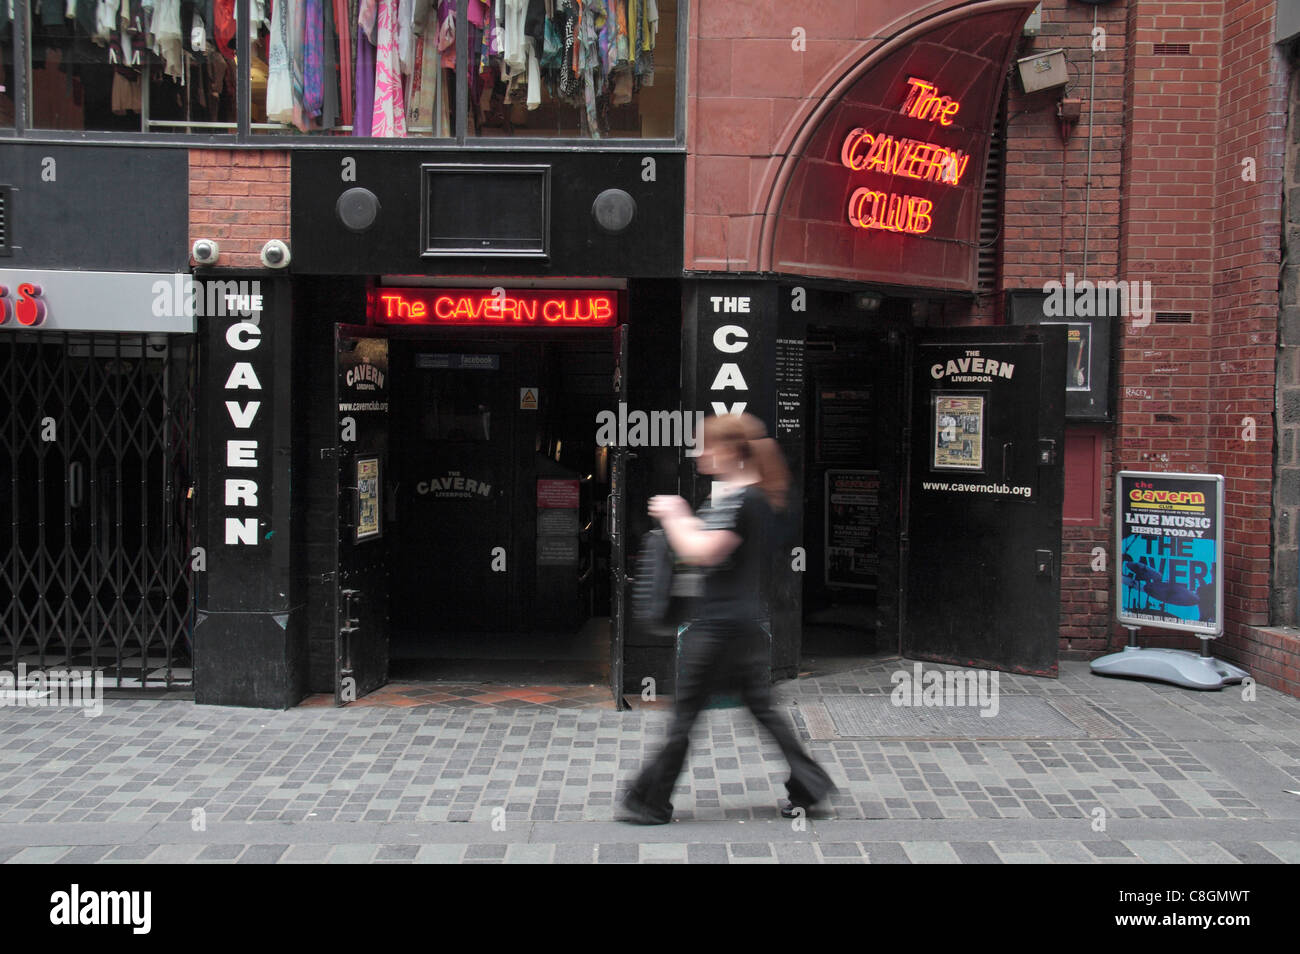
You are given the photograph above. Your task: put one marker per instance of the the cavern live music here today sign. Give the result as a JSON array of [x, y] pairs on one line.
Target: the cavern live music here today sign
[[1170, 551]]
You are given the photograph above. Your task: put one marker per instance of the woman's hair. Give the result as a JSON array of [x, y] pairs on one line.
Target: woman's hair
[[748, 436]]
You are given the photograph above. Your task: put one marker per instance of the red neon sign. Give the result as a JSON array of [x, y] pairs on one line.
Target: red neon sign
[[865, 151], [29, 309], [509, 308]]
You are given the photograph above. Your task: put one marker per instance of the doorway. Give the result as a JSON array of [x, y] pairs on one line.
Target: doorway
[[501, 560], [852, 453]]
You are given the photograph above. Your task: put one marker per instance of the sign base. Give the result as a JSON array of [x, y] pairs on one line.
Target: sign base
[[1178, 666]]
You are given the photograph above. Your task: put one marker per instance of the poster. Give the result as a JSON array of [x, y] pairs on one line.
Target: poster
[[958, 432], [852, 528], [1078, 354], [845, 424], [367, 498], [1170, 551]]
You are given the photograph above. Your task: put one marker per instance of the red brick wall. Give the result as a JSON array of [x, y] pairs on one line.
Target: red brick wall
[[1247, 258], [1049, 214], [241, 199], [750, 94]]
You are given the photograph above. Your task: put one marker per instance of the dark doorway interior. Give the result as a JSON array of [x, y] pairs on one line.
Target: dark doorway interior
[[500, 565], [851, 454]]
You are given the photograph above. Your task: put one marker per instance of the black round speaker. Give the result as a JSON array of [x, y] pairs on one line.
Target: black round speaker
[[613, 210], [357, 209]]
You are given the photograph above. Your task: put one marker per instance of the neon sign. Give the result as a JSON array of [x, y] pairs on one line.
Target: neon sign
[[507, 308], [864, 151], [29, 309]]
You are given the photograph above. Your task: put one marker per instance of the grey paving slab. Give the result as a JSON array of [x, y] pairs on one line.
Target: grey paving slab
[[1200, 776]]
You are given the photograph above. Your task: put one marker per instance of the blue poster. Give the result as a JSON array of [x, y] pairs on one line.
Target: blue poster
[[1170, 551]]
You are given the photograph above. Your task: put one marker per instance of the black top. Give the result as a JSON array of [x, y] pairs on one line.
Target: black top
[[731, 588]]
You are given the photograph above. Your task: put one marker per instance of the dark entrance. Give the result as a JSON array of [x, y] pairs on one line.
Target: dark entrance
[[982, 541], [853, 382], [501, 553]]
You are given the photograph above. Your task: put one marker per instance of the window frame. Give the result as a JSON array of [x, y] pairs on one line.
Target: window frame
[[244, 136]]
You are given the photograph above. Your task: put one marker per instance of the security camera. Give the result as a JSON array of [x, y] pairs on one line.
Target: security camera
[[275, 254], [206, 251]]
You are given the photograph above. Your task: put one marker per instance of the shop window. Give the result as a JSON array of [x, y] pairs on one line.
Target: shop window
[[6, 67], [593, 69], [603, 70], [122, 65], [1083, 485]]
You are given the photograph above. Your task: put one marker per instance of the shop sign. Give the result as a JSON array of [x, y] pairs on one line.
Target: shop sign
[[1170, 545], [242, 463], [867, 151], [454, 485], [27, 308], [494, 307]]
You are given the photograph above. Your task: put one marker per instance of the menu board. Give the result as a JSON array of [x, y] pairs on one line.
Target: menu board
[[789, 387], [852, 528]]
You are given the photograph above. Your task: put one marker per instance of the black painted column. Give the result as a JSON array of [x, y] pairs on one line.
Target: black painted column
[[729, 344], [248, 649]]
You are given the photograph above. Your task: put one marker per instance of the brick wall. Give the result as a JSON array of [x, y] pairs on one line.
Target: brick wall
[[241, 199], [752, 93], [1061, 215]]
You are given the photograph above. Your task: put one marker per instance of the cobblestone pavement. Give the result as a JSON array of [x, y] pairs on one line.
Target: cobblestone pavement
[[1159, 774]]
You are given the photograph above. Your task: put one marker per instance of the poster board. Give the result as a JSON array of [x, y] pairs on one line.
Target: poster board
[[1169, 551], [852, 557]]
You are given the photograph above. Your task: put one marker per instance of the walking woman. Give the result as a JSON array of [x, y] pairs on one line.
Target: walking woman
[[725, 647]]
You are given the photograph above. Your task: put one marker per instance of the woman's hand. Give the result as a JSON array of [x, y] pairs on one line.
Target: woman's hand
[[664, 507]]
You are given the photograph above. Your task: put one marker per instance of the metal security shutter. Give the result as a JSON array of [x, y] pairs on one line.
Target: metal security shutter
[[4, 220], [991, 207]]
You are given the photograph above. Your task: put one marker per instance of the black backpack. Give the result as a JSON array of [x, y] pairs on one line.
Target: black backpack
[[652, 587]]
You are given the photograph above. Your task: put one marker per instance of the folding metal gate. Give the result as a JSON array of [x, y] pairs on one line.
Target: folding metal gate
[[96, 533]]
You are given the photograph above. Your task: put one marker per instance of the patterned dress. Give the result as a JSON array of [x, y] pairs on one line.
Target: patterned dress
[[389, 109]]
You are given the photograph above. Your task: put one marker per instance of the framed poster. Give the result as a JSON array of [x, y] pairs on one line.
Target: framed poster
[[1078, 354], [958, 431], [368, 526], [1169, 551], [852, 526]]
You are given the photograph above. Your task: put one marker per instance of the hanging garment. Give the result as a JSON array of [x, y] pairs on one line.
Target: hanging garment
[[126, 94], [363, 106], [166, 29], [329, 117], [447, 34], [313, 55], [340, 12], [389, 111], [367, 16], [279, 85], [223, 25], [427, 105]]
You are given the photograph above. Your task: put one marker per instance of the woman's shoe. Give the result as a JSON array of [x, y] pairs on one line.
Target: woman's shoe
[[637, 812], [793, 809]]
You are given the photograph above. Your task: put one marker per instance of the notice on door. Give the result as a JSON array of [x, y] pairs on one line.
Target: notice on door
[[557, 522], [1170, 551], [367, 498], [789, 386], [958, 432], [852, 528]]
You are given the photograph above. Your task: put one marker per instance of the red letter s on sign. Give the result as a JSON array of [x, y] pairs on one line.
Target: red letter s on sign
[[29, 309]]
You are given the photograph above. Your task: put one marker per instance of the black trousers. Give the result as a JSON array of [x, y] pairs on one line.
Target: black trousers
[[725, 656]]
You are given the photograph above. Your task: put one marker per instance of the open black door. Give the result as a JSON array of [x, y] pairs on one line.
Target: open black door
[[361, 610], [616, 515], [981, 540]]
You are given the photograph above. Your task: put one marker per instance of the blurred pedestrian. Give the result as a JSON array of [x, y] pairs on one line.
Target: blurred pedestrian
[[725, 647]]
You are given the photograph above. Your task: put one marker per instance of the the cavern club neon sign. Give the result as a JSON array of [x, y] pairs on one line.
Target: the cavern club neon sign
[[865, 151], [494, 307], [27, 309]]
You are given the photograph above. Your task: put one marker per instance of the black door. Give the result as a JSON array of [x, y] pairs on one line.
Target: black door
[[982, 535], [456, 496], [361, 396]]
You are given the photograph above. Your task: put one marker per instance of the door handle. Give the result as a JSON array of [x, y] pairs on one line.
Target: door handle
[[611, 524], [1006, 452]]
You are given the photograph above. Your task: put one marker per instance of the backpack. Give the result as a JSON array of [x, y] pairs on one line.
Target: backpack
[[652, 587]]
